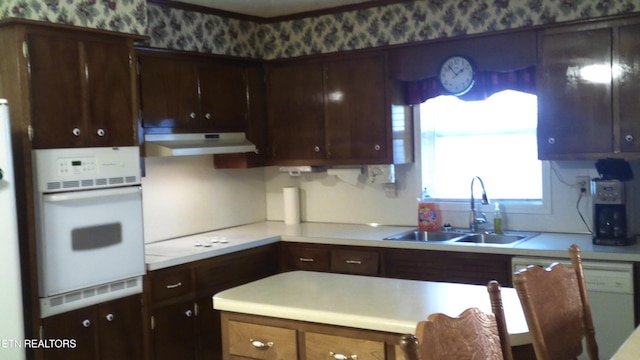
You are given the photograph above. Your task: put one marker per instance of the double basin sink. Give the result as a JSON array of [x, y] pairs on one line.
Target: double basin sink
[[509, 238]]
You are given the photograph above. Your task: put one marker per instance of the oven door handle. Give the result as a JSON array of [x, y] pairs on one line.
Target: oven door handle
[[90, 194]]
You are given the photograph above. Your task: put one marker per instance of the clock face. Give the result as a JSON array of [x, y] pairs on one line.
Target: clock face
[[457, 75]]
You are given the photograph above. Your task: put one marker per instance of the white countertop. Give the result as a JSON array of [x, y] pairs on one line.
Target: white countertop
[[631, 347], [365, 302], [177, 251]]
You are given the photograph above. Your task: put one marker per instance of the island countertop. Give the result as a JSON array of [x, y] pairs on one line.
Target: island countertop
[[372, 303]]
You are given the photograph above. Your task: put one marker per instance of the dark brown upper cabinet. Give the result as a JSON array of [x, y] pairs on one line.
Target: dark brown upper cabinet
[[588, 81], [295, 115], [330, 111], [79, 85], [192, 93]]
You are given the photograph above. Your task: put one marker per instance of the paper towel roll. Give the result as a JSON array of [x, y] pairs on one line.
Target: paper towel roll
[[291, 205]]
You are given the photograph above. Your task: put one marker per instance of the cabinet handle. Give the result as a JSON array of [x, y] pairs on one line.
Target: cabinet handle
[[628, 138], [192, 115], [306, 259], [208, 116], [109, 317], [76, 132], [551, 140], [189, 313], [354, 262], [316, 148], [86, 323], [260, 345], [173, 286], [100, 132], [343, 357], [377, 147]]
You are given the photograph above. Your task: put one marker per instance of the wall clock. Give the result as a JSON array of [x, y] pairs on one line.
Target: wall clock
[[457, 75]]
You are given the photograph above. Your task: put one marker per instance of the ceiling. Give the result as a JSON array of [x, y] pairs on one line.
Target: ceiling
[[272, 8]]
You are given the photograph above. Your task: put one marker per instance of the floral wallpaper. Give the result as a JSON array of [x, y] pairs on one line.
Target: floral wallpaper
[[404, 22], [127, 16], [193, 31], [392, 24]]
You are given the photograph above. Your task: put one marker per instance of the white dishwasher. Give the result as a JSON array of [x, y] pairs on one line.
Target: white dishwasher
[[610, 290]]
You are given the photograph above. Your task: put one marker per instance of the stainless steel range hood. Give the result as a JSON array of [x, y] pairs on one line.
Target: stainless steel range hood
[[196, 144]]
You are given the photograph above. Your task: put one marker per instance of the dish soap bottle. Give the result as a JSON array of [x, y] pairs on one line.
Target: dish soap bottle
[[497, 220], [427, 215]]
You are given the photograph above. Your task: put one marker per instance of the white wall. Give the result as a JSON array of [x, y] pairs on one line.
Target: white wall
[[186, 195], [324, 198]]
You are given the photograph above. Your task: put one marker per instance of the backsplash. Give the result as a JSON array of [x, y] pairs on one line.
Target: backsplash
[[386, 25]]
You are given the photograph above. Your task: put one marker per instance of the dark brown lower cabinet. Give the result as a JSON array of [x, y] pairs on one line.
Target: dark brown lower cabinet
[[451, 266], [411, 264], [184, 324], [111, 330], [174, 332]]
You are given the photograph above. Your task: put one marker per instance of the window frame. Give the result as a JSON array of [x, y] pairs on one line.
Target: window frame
[[509, 206]]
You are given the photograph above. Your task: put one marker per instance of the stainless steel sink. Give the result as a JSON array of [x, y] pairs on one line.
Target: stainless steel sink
[[461, 237], [416, 235], [491, 239]]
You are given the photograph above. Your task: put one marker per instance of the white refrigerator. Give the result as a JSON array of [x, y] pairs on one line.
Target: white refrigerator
[[12, 323]]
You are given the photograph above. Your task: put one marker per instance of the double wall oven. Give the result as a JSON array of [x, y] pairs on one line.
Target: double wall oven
[[89, 226]]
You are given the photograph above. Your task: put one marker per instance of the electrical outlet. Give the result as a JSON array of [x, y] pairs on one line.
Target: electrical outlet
[[583, 185]]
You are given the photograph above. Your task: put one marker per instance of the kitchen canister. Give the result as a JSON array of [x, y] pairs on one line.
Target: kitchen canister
[[291, 205]]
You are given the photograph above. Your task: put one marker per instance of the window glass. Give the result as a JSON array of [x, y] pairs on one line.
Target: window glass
[[494, 139]]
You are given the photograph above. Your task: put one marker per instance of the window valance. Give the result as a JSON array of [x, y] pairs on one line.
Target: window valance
[[487, 83]]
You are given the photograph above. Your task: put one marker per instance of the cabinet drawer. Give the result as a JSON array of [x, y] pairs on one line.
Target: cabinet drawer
[[170, 283], [304, 258], [319, 346], [262, 342], [355, 262]]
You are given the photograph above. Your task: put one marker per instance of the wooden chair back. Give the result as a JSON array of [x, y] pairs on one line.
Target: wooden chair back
[[557, 309], [474, 334]]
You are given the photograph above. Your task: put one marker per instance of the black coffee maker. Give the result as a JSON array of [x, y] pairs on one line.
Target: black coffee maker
[[610, 212]]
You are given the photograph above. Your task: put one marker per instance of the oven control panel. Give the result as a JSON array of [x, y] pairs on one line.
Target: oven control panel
[[86, 168], [77, 166]]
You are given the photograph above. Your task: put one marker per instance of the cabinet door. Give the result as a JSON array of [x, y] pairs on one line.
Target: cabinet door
[[78, 327], [467, 268], [120, 328], [574, 93], [223, 96], [357, 115], [174, 335], [257, 110], [296, 112], [629, 88], [110, 89], [56, 90], [168, 93], [208, 329]]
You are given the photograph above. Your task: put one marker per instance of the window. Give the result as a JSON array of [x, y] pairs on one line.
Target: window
[[493, 138]]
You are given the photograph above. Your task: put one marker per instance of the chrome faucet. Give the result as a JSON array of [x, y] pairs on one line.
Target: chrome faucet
[[474, 219]]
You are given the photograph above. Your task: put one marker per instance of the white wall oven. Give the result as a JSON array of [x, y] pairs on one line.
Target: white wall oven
[[89, 226]]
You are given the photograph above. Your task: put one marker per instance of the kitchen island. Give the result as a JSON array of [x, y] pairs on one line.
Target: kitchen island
[[309, 312]]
